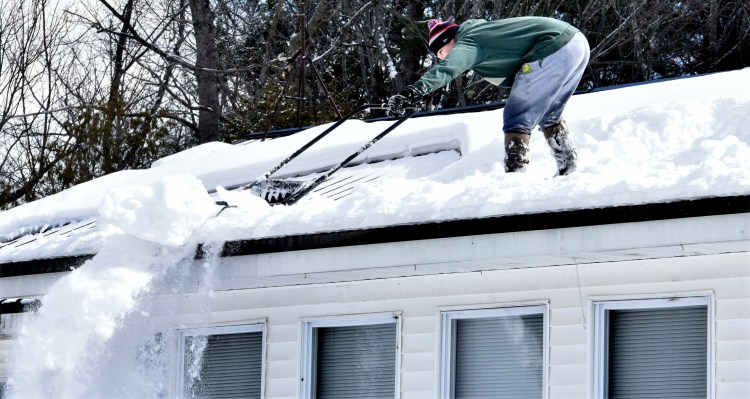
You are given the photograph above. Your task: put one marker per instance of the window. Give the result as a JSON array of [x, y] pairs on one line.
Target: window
[[351, 358], [656, 348], [10, 324], [222, 362], [493, 353], [15, 312]]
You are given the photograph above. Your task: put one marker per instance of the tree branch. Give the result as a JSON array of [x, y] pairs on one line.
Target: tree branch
[[167, 56]]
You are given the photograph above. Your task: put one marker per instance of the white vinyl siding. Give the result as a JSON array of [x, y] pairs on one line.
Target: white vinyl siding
[[231, 365], [494, 353], [656, 349], [568, 334], [351, 360]]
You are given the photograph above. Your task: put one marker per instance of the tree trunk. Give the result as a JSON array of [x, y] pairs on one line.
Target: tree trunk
[[209, 114], [110, 141]]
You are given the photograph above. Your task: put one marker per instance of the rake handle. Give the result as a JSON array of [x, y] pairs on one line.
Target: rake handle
[[310, 143], [298, 195]]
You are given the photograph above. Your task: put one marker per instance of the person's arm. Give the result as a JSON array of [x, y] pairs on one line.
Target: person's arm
[[461, 58]]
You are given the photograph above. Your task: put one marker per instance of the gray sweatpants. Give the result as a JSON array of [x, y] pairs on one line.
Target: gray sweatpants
[[542, 88]]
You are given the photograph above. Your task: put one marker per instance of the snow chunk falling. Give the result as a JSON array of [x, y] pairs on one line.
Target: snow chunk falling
[[109, 346], [166, 212]]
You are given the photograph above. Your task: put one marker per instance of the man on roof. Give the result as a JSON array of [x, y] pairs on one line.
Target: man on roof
[[541, 59]]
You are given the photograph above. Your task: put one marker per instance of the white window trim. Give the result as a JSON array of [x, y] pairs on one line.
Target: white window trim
[[307, 369], [600, 333], [447, 340], [218, 330]]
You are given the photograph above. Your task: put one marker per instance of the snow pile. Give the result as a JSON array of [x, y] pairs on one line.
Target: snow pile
[[94, 337]]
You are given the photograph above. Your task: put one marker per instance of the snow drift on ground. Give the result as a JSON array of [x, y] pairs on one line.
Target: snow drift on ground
[[657, 142]]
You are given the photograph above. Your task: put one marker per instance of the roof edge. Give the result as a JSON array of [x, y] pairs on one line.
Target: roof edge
[[688, 208], [706, 206], [43, 266]]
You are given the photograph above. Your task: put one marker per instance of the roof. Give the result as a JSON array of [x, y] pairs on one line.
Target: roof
[[667, 142]]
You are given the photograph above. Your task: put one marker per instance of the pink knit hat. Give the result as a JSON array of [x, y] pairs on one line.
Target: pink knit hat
[[441, 32]]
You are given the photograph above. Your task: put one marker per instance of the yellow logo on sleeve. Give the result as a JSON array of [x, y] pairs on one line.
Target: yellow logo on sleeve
[[526, 68]]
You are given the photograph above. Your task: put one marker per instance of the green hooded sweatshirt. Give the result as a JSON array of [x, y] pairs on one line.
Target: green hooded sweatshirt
[[496, 49]]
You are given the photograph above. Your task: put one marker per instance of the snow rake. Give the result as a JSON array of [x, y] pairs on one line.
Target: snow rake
[[288, 192]]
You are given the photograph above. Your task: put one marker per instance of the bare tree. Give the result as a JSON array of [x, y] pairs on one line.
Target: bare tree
[[31, 142]]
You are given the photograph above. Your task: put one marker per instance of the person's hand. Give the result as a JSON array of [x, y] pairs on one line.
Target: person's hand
[[409, 98]]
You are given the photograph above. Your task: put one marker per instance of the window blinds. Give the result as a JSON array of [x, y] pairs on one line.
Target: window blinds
[[231, 367], [356, 361], [499, 357], [658, 353]]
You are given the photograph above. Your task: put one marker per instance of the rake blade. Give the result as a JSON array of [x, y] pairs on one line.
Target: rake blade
[[276, 191]]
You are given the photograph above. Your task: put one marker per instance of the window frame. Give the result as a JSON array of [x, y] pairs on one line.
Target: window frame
[[600, 334], [447, 340], [219, 330], [307, 367]]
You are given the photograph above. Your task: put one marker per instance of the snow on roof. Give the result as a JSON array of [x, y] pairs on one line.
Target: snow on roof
[[660, 142]]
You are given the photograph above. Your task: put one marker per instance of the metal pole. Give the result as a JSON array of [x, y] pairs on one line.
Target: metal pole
[[302, 59]]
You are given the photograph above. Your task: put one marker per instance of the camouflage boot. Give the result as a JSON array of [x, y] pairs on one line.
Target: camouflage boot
[[562, 148], [516, 151]]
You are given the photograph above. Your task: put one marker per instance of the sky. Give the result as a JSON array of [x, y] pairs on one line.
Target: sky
[[684, 138]]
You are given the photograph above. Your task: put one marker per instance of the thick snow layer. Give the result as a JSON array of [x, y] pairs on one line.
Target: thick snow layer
[[657, 142]]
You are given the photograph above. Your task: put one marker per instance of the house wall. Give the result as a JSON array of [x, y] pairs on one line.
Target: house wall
[[708, 257], [567, 289]]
